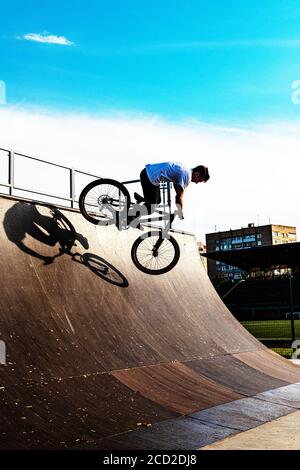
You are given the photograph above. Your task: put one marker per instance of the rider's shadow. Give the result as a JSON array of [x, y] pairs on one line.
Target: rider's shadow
[[50, 228]]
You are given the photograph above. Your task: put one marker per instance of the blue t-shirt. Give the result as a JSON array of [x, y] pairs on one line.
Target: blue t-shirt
[[169, 171]]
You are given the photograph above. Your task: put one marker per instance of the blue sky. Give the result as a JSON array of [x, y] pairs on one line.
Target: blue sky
[[109, 85], [216, 61]]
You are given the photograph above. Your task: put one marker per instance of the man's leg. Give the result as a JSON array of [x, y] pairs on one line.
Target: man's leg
[[151, 192], [151, 197]]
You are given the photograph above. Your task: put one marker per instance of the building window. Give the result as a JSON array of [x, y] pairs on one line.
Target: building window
[[249, 238], [225, 246], [236, 240], [237, 247]]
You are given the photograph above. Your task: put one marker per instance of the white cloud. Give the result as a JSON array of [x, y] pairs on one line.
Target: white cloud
[[254, 172], [208, 45], [48, 39]]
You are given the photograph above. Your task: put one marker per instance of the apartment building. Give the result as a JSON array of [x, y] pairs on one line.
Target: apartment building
[[244, 238]]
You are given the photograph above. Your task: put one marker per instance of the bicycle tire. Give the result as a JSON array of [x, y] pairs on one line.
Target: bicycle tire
[[98, 219], [147, 267]]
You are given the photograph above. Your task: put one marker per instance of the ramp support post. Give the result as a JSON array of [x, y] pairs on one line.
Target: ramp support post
[[292, 309]]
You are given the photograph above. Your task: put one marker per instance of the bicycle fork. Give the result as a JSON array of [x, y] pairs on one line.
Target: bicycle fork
[[163, 234], [157, 245]]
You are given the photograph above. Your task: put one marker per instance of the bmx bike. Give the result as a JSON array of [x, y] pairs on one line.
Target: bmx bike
[[107, 202]]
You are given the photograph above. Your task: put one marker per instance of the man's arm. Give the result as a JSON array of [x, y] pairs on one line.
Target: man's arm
[[179, 199]]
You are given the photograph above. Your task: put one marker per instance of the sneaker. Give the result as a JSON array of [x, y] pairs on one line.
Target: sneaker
[[138, 198]]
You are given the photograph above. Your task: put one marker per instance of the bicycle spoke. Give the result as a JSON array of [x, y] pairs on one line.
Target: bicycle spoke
[[165, 253], [101, 198]]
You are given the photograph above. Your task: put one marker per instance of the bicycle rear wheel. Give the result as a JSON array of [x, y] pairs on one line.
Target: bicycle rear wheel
[[149, 259], [104, 202]]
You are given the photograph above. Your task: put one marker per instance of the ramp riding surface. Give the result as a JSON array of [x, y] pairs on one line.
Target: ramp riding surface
[[101, 355]]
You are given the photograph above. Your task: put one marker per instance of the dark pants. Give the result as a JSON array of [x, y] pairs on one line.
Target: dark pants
[[151, 192]]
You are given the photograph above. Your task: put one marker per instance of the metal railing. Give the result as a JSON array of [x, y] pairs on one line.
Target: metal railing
[[12, 187], [71, 200]]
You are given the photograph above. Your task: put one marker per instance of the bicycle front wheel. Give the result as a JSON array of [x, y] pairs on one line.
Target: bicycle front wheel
[[153, 254], [104, 201]]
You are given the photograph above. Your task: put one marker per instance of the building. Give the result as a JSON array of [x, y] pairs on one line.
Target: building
[[243, 238]]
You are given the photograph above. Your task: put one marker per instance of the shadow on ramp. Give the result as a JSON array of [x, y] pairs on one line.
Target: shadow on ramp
[[53, 228]]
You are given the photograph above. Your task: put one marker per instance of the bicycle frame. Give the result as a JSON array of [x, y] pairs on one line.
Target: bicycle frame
[[145, 219]]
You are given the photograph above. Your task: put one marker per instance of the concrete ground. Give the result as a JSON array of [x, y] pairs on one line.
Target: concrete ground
[[280, 434]]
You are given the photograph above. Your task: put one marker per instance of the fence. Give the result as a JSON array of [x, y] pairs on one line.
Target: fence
[[34, 178], [268, 309]]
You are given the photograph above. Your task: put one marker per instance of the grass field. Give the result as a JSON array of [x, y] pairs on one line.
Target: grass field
[[272, 329], [285, 352]]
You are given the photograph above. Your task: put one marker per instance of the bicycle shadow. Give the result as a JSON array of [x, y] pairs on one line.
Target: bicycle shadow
[[53, 228]]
